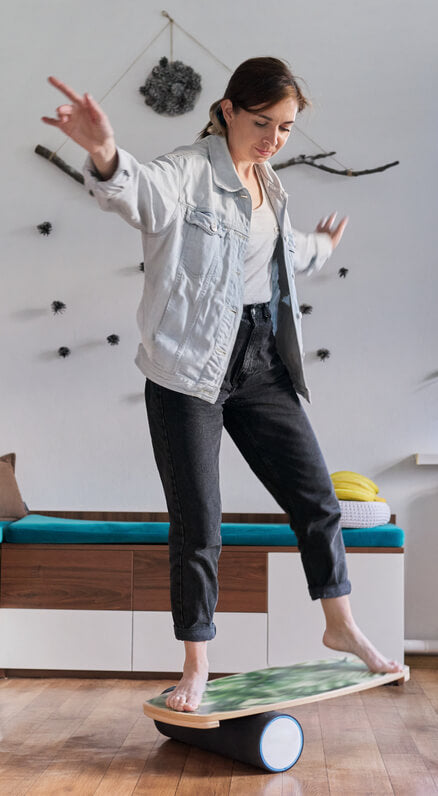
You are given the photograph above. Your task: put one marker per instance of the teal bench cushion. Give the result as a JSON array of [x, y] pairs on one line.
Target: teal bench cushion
[[3, 524], [38, 529]]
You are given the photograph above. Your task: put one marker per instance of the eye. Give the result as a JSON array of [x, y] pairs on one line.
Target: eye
[[263, 124]]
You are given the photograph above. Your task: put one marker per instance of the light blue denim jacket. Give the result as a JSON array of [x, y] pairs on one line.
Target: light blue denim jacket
[[194, 215]]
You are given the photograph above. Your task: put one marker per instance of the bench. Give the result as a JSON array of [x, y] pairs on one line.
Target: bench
[[92, 595]]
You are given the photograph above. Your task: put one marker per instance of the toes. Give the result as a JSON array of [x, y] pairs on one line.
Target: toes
[[191, 704], [176, 702], [183, 702]]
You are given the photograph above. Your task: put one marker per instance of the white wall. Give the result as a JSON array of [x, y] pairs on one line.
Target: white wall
[[78, 425]]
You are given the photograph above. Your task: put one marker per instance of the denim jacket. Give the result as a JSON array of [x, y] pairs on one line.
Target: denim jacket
[[194, 215]]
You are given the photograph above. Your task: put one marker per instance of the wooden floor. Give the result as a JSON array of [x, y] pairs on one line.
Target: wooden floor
[[89, 736]]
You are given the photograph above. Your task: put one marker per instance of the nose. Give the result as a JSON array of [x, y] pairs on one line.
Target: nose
[[271, 139]]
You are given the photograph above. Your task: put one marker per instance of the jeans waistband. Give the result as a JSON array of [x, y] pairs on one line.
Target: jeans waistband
[[256, 311]]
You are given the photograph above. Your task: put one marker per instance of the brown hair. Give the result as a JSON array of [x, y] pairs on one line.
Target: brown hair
[[257, 82]]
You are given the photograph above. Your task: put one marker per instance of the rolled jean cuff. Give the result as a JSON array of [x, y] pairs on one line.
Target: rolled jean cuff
[[324, 592], [195, 633]]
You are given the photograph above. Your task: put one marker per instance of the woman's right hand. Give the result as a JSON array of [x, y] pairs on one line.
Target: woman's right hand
[[83, 121]]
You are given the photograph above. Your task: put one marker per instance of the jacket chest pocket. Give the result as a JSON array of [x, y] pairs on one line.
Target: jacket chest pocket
[[202, 245]]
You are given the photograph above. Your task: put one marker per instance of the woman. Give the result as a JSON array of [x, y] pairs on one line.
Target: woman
[[221, 341]]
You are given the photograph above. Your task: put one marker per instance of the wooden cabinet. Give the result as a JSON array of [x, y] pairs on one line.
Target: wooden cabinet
[[106, 607]]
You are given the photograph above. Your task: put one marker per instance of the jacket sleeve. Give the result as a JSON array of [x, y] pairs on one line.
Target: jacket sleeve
[[146, 196], [312, 250]]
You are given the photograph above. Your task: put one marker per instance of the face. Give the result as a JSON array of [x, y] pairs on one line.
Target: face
[[255, 136]]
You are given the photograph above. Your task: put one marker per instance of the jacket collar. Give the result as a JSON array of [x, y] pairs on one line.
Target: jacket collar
[[224, 172]]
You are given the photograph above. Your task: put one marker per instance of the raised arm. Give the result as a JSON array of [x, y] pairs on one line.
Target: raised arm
[[84, 121], [145, 196], [313, 249]]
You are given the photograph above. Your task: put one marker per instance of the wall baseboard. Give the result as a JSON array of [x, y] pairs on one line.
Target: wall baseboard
[[421, 661]]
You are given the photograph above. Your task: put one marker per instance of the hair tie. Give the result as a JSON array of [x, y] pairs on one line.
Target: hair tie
[[217, 124]]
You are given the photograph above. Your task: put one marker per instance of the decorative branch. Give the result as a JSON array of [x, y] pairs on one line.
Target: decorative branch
[[306, 160], [309, 160], [46, 153]]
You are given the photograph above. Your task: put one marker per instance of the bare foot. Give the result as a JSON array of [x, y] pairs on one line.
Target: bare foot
[[188, 693], [348, 638]]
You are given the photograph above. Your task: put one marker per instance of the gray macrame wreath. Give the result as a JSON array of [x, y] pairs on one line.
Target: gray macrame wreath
[[171, 88]]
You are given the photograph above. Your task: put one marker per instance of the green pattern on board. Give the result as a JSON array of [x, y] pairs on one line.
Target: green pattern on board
[[278, 684]]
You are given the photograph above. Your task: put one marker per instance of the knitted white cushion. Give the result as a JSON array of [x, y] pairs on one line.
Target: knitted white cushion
[[364, 514]]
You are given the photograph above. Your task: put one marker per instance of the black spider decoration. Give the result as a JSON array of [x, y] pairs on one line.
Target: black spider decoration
[[45, 228], [171, 88], [58, 307], [113, 339], [343, 272], [141, 267], [323, 353], [306, 309], [64, 351]]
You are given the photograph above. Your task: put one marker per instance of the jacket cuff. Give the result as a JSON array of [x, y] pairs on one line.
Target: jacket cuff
[[95, 183], [324, 248]]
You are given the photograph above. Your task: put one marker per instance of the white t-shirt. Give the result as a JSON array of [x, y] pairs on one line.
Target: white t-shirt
[[258, 259]]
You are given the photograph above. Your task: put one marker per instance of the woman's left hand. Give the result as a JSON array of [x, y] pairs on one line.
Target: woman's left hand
[[326, 224]]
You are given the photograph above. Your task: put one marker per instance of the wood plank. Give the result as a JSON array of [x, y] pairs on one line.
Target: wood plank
[[163, 516], [126, 767], [409, 774], [206, 773], [380, 705], [160, 516], [309, 775], [250, 781], [235, 548], [151, 583], [32, 737], [243, 585], [54, 577], [164, 769], [102, 732], [15, 696], [241, 588], [353, 759], [428, 680], [422, 661]]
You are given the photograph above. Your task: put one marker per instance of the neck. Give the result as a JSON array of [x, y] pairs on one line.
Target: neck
[[244, 168]]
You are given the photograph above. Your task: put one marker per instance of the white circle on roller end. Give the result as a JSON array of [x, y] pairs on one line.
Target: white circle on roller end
[[281, 743]]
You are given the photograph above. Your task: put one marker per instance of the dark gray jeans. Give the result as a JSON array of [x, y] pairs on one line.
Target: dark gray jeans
[[261, 411]]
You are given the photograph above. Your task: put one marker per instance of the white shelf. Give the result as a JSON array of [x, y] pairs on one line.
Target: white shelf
[[426, 458]]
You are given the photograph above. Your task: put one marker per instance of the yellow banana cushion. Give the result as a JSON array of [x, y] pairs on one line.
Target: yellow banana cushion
[[354, 478], [350, 493]]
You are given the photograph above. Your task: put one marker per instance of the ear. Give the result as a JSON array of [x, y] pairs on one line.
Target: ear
[[227, 110]]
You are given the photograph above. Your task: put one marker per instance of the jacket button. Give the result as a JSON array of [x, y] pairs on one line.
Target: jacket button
[[213, 227]]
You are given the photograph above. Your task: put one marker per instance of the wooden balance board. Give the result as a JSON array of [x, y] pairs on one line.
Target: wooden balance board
[[240, 715]]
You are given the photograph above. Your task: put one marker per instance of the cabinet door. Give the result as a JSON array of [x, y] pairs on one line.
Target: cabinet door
[[49, 639], [240, 643], [296, 623]]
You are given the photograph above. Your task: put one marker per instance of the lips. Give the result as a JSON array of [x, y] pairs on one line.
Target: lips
[[263, 152]]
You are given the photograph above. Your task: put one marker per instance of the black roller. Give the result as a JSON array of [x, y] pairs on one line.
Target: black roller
[[272, 741]]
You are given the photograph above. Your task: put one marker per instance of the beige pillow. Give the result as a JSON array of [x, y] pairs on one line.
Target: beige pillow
[[11, 503]]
